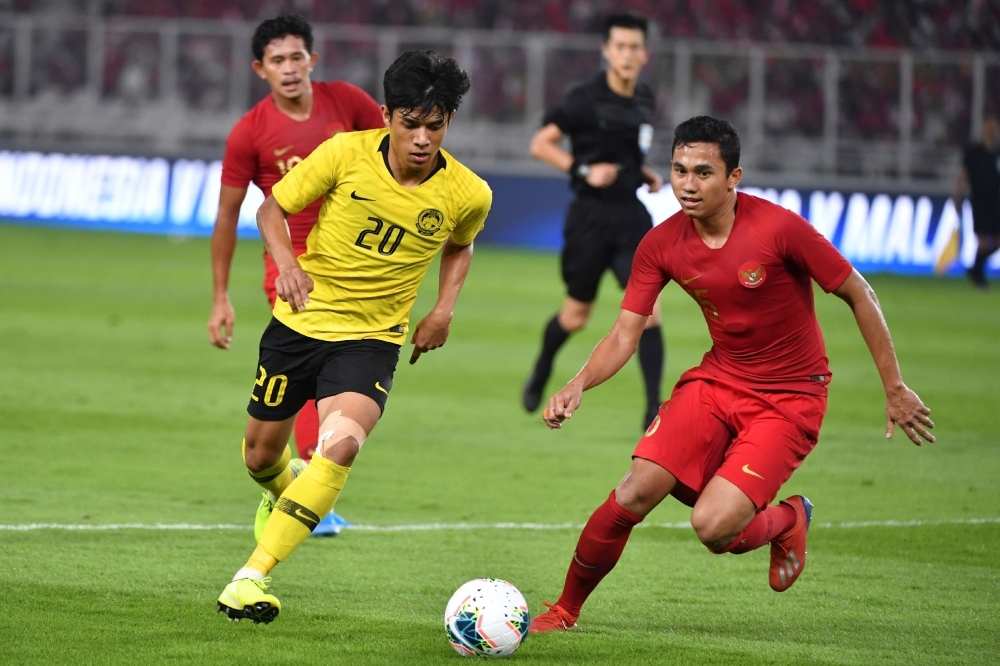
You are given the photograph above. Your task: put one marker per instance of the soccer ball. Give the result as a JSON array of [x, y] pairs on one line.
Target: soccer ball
[[486, 617]]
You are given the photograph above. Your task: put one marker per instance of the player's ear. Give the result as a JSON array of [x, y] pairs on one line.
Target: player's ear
[[258, 68], [734, 177], [313, 59], [386, 116]]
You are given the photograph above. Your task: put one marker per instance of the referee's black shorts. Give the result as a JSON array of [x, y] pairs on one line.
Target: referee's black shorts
[[600, 235], [293, 368]]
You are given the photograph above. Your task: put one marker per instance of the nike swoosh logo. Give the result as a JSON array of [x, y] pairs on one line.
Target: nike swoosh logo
[[354, 195], [379, 387], [691, 279], [305, 516], [747, 470], [278, 152]]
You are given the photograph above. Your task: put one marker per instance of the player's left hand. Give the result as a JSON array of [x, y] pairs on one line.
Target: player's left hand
[[904, 407], [430, 333], [654, 181]]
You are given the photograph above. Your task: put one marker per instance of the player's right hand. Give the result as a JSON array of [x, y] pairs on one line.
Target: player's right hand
[[602, 174], [562, 405], [220, 324], [293, 286]]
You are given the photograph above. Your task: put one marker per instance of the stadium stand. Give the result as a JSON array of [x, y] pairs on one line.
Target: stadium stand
[[841, 88]]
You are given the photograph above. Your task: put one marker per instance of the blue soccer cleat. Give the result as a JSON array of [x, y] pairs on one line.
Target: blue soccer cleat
[[330, 525]]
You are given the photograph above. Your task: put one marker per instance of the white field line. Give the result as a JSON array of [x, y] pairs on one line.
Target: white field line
[[438, 527]]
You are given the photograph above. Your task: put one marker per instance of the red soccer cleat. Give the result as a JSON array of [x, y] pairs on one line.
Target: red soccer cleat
[[554, 619], [788, 549]]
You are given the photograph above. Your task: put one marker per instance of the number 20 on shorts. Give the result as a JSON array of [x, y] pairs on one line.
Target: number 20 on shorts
[[275, 391]]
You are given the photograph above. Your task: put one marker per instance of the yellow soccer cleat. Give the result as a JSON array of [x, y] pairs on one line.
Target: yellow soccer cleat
[[245, 599], [297, 465]]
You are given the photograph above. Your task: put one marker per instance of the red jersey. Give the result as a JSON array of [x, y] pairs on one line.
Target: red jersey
[[755, 292], [266, 143]]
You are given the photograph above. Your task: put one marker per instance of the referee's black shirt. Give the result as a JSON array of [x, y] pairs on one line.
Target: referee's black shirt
[[982, 166], [606, 127]]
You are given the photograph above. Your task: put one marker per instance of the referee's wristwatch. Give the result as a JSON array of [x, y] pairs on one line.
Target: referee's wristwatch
[[582, 171]]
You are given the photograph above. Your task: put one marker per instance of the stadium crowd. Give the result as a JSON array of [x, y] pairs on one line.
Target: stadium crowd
[[943, 24]]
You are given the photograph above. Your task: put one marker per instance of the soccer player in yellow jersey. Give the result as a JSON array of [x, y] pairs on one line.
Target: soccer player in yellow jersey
[[391, 200]]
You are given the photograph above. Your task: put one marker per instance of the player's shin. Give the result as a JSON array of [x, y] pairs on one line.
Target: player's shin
[[299, 509], [764, 527], [597, 552], [276, 478]]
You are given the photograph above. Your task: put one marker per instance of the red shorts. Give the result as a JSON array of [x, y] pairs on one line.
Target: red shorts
[[754, 439]]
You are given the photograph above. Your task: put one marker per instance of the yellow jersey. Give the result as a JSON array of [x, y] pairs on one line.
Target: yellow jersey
[[374, 239]]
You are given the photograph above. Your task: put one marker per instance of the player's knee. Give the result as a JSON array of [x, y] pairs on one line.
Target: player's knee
[[572, 322], [258, 456], [340, 439], [343, 452], [635, 498], [711, 528]]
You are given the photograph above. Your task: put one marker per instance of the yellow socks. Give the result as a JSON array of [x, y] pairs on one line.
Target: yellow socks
[[297, 512], [274, 479]]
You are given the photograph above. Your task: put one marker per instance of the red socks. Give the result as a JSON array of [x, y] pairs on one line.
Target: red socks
[[597, 552], [307, 430], [766, 525]]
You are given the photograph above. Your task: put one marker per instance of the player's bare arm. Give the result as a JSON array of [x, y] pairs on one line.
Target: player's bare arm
[[652, 179], [902, 405], [958, 192], [432, 331], [545, 147], [610, 356], [293, 284], [223, 317]]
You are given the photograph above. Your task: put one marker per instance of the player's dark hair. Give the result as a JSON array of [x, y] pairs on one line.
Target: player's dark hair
[[626, 20], [706, 129], [278, 27], [424, 81]]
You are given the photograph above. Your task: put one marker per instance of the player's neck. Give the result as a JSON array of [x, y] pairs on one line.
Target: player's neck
[[299, 108], [715, 230], [410, 178], [619, 86]]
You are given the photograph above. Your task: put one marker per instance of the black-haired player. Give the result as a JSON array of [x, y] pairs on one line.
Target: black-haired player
[[737, 426], [269, 140], [609, 123], [392, 199]]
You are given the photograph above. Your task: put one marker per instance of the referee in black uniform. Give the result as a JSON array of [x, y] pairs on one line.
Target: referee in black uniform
[[981, 170], [609, 122]]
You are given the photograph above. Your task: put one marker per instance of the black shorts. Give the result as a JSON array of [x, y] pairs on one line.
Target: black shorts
[[986, 224], [600, 235], [293, 368]]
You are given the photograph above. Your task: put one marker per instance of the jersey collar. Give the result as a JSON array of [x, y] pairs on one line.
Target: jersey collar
[[384, 149]]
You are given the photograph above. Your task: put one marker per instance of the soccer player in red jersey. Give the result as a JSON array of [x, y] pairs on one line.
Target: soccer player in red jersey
[[275, 135], [738, 425]]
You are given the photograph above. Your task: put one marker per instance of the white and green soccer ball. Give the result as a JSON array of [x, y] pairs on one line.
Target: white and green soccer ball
[[486, 617]]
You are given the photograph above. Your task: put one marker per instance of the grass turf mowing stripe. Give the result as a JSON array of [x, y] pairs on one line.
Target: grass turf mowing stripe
[[436, 527]]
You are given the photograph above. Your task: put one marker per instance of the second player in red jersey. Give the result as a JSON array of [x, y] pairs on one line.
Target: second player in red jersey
[[266, 143], [276, 134], [736, 427]]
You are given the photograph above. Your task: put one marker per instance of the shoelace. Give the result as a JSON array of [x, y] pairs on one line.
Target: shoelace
[[262, 584], [552, 607]]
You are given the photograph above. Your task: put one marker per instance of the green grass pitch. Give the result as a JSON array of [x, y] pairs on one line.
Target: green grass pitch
[[114, 409]]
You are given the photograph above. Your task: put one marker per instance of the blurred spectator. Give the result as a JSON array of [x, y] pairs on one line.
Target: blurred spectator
[[941, 24]]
